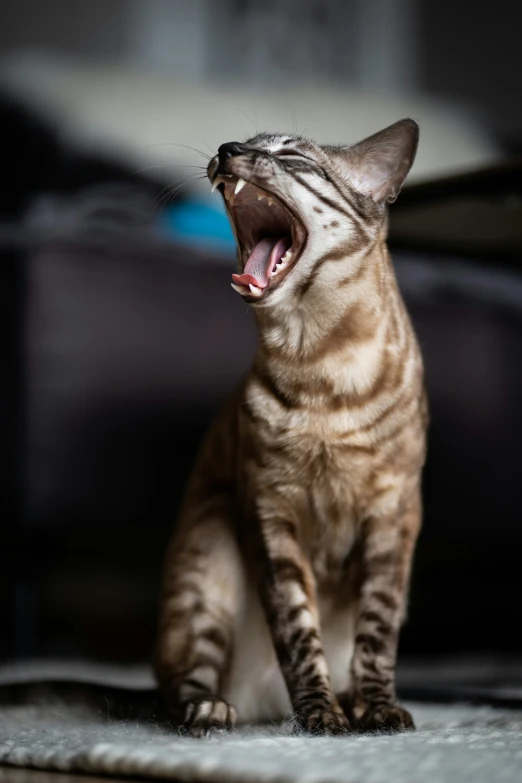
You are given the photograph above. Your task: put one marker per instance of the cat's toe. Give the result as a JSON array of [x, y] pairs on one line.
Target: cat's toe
[[207, 716], [328, 722], [386, 718]]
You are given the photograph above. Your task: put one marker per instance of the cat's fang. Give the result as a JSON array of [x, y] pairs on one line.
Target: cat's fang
[[255, 290], [217, 181], [239, 186]]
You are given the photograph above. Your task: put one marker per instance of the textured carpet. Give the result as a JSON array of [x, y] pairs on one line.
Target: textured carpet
[[75, 728]]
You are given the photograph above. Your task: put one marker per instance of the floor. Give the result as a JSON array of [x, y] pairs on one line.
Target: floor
[[11, 775]]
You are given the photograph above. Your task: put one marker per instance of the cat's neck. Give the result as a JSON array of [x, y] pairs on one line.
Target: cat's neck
[[335, 335], [344, 313]]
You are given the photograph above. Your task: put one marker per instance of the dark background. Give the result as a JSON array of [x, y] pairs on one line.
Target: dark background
[[118, 341]]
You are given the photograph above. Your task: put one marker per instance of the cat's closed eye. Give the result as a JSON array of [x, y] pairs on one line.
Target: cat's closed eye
[[288, 153]]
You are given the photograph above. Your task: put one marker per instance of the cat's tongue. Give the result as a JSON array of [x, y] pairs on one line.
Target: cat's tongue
[[261, 263]]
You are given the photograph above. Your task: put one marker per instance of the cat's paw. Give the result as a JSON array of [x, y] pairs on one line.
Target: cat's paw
[[331, 722], [208, 715], [386, 718]]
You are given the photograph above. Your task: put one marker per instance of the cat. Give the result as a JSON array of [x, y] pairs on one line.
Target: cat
[[286, 579]]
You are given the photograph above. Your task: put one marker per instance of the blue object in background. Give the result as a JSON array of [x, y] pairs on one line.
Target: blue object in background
[[200, 224]]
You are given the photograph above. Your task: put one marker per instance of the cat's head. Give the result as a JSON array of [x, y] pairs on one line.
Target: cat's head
[[297, 208]]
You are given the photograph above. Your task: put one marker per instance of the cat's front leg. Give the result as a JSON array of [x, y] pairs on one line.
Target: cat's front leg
[[288, 595], [388, 545], [200, 600]]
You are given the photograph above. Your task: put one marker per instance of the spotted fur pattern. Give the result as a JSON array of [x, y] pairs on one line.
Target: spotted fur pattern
[[286, 579]]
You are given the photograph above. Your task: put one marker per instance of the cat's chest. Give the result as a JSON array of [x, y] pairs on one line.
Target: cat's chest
[[330, 519], [337, 479]]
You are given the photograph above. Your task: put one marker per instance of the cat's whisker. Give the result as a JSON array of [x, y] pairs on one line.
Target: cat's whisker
[[184, 146]]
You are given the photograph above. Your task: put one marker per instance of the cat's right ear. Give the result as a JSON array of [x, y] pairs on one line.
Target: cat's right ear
[[378, 165]]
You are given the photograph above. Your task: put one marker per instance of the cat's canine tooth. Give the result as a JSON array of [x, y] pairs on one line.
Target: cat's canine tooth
[[241, 289], [217, 181], [255, 290], [239, 186]]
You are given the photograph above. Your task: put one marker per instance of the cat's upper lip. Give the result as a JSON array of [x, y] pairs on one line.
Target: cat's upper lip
[[256, 213]]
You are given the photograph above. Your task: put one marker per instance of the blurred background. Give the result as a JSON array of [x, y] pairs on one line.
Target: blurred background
[[121, 335]]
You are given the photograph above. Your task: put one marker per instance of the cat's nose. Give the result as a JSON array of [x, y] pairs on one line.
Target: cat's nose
[[228, 150]]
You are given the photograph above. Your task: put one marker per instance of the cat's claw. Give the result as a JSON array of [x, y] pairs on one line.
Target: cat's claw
[[207, 716], [386, 719], [328, 722]]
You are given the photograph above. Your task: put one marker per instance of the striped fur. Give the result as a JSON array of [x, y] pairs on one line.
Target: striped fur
[[286, 579]]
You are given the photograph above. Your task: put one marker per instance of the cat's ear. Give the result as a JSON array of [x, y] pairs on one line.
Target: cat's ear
[[378, 165]]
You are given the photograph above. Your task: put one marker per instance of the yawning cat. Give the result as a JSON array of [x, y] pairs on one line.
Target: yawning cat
[[286, 580]]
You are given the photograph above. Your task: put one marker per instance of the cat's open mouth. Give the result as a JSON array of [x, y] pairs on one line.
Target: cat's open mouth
[[270, 237]]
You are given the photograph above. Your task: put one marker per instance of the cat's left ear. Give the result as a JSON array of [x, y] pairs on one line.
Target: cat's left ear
[[378, 165]]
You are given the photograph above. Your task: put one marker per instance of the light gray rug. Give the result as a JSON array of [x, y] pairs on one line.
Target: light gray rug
[[452, 743]]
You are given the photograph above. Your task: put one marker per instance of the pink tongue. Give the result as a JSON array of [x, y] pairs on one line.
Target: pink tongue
[[262, 261]]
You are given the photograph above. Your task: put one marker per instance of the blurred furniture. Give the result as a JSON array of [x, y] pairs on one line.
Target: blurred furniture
[[163, 124]]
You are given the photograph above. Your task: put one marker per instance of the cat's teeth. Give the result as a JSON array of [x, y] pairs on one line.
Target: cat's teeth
[[284, 261], [243, 289], [230, 197], [261, 196], [270, 201], [217, 181], [239, 186]]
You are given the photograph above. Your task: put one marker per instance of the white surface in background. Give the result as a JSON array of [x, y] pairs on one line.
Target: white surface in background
[[135, 676], [145, 119]]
